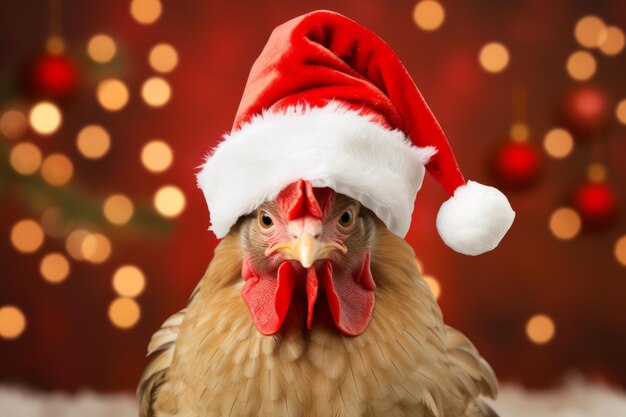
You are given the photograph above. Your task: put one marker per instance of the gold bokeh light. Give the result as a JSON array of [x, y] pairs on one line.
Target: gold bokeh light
[[156, 92], [129, 281], [27, 236], [54, 268], [118, 209], [428, 15], [13, 124], [581, 65], [620, 111], [95, 248], [434, 285], [540, 329], [612, 41], [519, 132], [74, 243], [565, 223], [620, 250], [52, 222], [12, 322], [169, 201], [558, 143], [93, 141], [588, 31], [25, 158], [163, 58], [124, 312], [146, 11], [45, 118], [156, 156], [55, 44], [57, 169], [494, 57], [101, 48], [596, 172], [112, 94]]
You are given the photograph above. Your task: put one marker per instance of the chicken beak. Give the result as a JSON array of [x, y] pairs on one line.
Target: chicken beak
[[306, 249]]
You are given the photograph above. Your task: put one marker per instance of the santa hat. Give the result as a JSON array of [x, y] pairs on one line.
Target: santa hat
[[330, 102]]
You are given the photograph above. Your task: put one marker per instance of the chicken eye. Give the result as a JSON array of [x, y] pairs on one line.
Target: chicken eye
[[265, 220], [347, 218]]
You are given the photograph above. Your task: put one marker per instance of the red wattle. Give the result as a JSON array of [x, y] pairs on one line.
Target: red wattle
[[350, 296], [300, 199], [268, 297], [312, 286], [311, 205], [291, 200]]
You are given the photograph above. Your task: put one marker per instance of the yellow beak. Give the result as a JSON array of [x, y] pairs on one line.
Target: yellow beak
[[306, 249]]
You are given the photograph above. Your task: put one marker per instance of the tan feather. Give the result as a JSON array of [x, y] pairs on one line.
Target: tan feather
[[164, 341], [464, 358], [479, 408]]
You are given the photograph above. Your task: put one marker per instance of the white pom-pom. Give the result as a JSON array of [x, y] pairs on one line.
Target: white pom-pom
[[475, 219]]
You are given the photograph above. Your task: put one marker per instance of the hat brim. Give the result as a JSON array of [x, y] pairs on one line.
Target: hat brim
[[331, 146]]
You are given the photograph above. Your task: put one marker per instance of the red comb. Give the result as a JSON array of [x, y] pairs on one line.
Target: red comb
[[299, 199]]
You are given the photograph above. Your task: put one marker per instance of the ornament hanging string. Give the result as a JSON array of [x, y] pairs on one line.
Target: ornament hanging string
[[520, 100], [517, 163], [55, 43], [596, 171], [519, 128], [595, 199]]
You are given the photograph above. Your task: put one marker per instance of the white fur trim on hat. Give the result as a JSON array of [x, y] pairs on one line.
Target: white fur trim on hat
[[475, 219], [330, 146]]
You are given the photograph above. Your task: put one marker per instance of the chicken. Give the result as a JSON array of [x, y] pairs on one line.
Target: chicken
[[312, 307]]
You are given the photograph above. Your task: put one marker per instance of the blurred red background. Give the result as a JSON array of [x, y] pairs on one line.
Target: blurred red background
[[69, 339]]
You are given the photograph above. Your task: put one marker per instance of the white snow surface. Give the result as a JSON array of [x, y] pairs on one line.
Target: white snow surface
[[22, 402], [575, 399]]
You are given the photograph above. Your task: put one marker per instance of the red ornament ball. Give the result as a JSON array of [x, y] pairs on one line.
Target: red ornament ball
[[597, 204], [586, 110], [53, 76], [516, 165]]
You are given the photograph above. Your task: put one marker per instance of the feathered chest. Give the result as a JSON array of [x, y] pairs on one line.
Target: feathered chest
[[224, 366], [213, 361]]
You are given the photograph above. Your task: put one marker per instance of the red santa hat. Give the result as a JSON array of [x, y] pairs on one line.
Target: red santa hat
[[330, 102]]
